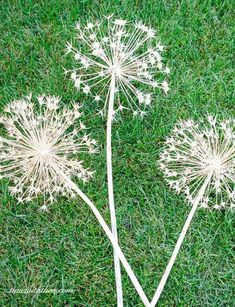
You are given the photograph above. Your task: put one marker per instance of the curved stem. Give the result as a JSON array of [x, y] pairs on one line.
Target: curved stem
[[179, 242], [117, 266], [112, 239]]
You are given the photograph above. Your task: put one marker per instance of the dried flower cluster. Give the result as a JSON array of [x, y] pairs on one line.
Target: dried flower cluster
[[196, 150], [38, 147], [131, 53]]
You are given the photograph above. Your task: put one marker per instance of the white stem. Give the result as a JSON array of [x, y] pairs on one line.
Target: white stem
[[179, 242], [117, 266], [112, 239]]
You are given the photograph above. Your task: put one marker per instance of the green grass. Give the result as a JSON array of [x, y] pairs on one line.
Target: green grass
[[66, 248]]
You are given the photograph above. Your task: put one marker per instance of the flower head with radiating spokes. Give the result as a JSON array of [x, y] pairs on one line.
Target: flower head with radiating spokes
[[38, 146], [195, 151], [130, 52]]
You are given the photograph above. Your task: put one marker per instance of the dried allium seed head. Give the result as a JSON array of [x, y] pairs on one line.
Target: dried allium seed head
[[195, 150], [37, 148], [132, 53]]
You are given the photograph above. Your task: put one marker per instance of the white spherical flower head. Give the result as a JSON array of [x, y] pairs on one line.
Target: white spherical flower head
[[130, 52], [38, 148], [196, 152]]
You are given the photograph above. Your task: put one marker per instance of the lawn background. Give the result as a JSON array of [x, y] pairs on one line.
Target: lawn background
[[66, 248]]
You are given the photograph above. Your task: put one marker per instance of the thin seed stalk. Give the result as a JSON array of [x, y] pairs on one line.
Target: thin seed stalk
[[179, 242], [117, 266], [112, 239]]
